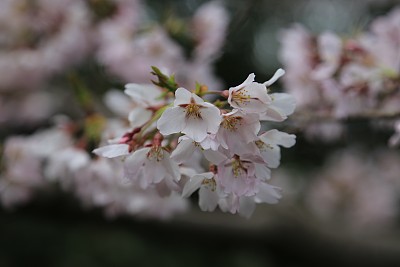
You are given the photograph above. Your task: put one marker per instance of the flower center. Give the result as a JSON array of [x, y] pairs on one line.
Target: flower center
[[237, 168], [193, 110], [210, 184], [155, 154], [241, 96], [230, 123]]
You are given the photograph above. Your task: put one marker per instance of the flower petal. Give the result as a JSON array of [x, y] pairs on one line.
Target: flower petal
[[212, 115], [182, 96], [278, 138], [183, 151], [208, 199], [193, 184], [267, 194], [112, 151], [171, 121], [196, 129], [279, 73], [139, 116]]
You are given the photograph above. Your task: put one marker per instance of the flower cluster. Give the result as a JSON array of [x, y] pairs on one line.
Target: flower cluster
[[175, 132], [340, 77], [36, 163]]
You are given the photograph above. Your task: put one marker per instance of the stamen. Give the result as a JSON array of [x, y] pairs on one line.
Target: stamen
[[210, 183], [238, 168], [192, 109], [263, 146], [230, 123], [241, 96], [155, 153]]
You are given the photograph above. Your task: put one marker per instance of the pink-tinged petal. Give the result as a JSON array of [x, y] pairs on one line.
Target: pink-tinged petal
[[267, 194], [112, 151], [250, 129], [279, 73], [278, 138], [215, 157], [208, 199], [136, 160], [246, 206], [183, 151], [139, 116], [154, 172], [171, 166], [262, 172], [182, 96], [171, 121], [196, 129], [193, 184]]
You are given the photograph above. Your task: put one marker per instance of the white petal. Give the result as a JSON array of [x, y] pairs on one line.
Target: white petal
[[198, 99], [272, 115], [171, 121], [212, 115], [272, 156], [268, 194], [139, 116], [258, 90], [112, 151], [154, 172], [143, 94], [286, 103], [187, 171], [279, 73], [182, 96], [279, 138], [118, 102], [208, 199], [262, 172], [195, 129], [133, 162], [192, 185], [183, 151]]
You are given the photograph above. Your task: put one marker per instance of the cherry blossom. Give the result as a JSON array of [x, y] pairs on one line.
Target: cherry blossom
[[209, 190], [191, 116]]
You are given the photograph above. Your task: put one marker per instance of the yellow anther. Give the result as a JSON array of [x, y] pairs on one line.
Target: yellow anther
[[230, 123], [193, 110]]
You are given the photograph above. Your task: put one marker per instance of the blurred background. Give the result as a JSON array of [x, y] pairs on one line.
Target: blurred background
[[64, 62]]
